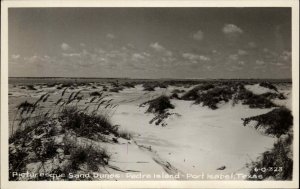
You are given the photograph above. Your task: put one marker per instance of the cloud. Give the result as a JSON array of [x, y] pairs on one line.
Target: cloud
[[199, 35], [194, 57], [110, 36], [159, 48], [231, 29], [137, 57], [156, 46], [65, 46]]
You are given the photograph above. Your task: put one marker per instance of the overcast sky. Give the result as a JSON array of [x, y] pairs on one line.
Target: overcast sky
[[150, 42]]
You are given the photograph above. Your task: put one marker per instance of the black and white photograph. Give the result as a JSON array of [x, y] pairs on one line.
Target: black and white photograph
[[150, 93]]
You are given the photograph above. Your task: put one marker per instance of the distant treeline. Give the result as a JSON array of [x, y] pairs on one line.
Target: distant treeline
[[170, 81]]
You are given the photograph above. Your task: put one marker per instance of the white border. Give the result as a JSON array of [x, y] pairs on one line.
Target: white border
[[294, 4]]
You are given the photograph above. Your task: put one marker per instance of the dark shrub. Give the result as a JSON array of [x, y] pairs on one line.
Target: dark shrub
[[85, 125], [30, 87], [253, 100], [276, 122], [51, 84], [105, 88], [67, 85], [116, 89], [193, 94], [159, 105], [279, 158], [178, 91], [270, 95], [148, 87], [268, 85], [91, 156], [174, 96], [95, 93], [128, 85], [213, 96], [17, 162], [161, 85]]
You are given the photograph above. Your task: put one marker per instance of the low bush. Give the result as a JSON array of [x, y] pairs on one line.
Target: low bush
[[95, 93], [116, 89], [279, 159], [213, 96], [268, 85], [91, 156], [276, 122], [253, 100], [159, 105], [129, 85], [193, 94], [148, 87], [67, 85], [178, 91], [270, 96], [31, 87], [174, 96], [125, 134], [86, 125]]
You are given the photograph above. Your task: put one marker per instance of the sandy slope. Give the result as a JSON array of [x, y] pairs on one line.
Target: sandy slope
[[199, 140]]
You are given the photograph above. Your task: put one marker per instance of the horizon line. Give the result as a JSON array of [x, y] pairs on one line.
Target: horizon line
[[149, 78]]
